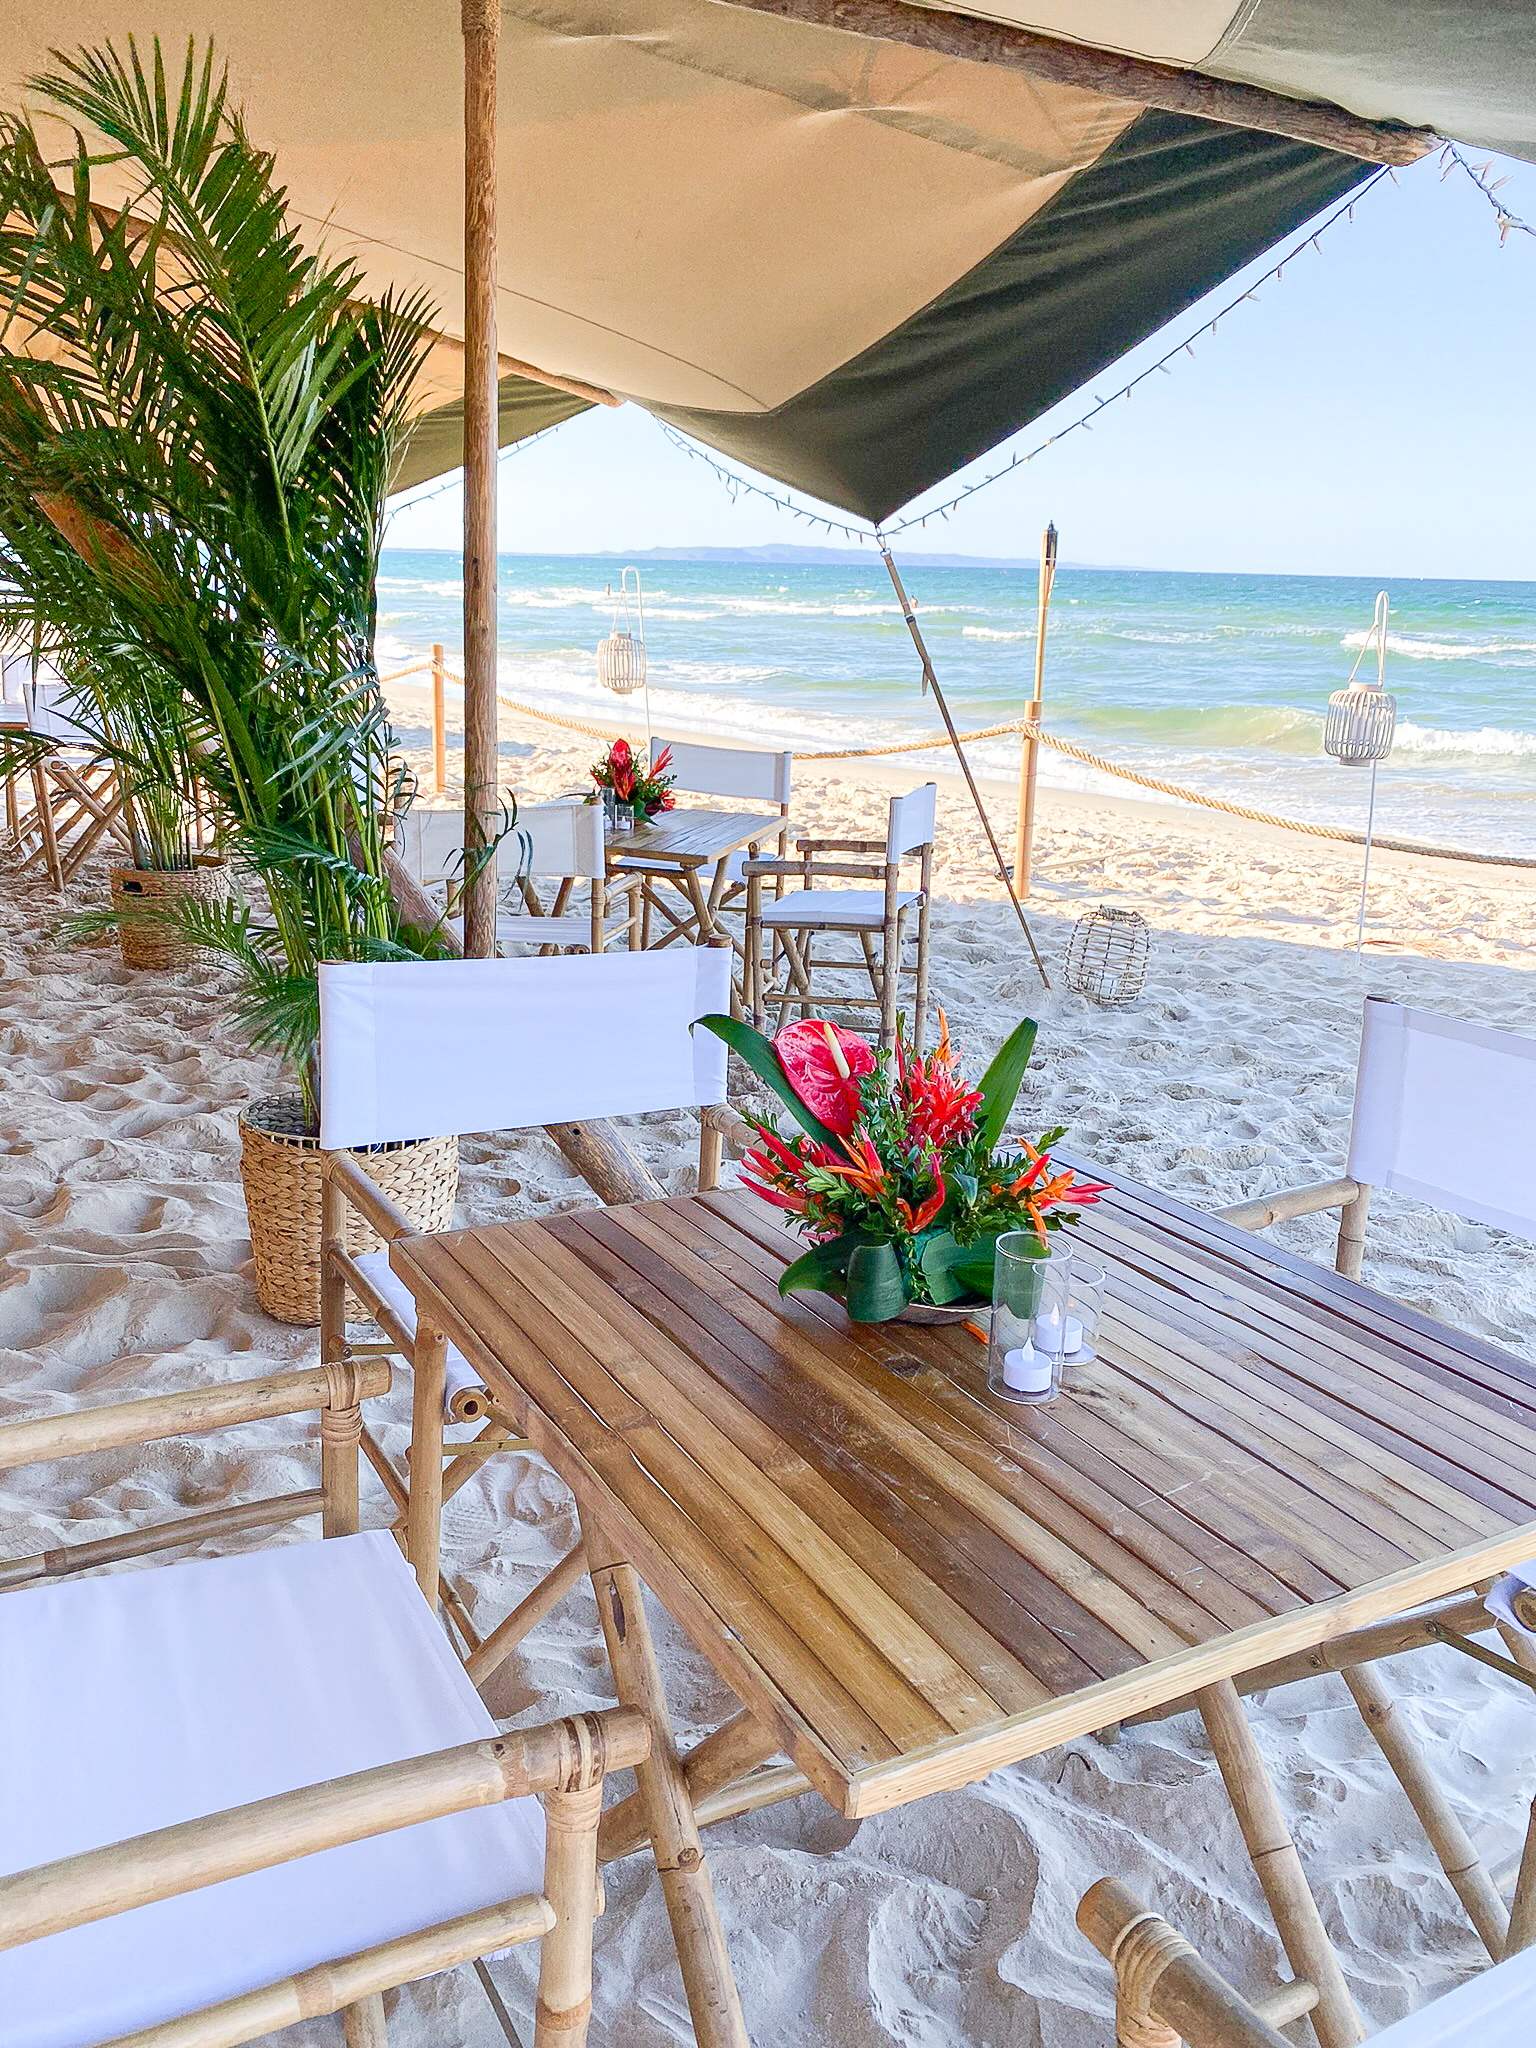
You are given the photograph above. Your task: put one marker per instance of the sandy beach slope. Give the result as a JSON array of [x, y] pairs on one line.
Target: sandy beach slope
[[124, 1269]]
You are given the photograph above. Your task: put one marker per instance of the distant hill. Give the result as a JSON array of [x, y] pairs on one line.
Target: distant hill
[[780, 556]]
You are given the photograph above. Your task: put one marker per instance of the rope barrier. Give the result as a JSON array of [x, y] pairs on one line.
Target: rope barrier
[[930, 741]]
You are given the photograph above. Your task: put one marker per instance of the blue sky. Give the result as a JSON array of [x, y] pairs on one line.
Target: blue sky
[[1370, 413]]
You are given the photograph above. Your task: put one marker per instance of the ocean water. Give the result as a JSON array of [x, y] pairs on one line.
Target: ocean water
[[1216, 682]]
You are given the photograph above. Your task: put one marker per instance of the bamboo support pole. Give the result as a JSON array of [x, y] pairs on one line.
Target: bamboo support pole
[[1353, 1217], [607, 1162], [724, 1755], [713, 2000], [199, 1528], [525, 1616], [351, 1985], [1277, 1865], [1029, 738], [1161, 1981], [98, 1883], [341, 1436], [439, 723], [1288, 1203], [570, 1884], [481, 21], [1522, 1914], [1450, 1841], [750, 1794], [198, 1411], [424, 1508], [363, 2024]]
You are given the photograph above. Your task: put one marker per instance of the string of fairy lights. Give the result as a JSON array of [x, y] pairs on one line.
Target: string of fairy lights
[[1452, 158]]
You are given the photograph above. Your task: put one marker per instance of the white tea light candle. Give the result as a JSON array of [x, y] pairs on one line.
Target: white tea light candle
[[1057, 1334], [1026, 1371]]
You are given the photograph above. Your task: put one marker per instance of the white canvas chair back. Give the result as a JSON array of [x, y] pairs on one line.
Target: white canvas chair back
[[741, 772], [15, 689], [430, 1048], [431, 844], [912, 820], [563, 839], [1445, 1112]]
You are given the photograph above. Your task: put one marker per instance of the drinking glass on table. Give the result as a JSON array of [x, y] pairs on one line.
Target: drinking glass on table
[[1030, 1295]]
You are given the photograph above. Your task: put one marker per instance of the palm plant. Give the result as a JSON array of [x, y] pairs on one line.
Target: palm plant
[[199, 419]]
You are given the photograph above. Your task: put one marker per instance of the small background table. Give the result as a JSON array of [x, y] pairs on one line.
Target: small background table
[[672, 852], [909, 1582]]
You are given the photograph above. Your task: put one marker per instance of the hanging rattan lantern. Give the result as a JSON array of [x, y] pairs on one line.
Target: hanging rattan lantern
[[1107, 955], [621, 656], [1362, 717]]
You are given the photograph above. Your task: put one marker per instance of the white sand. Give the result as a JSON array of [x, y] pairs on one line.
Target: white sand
[[125, 1270]]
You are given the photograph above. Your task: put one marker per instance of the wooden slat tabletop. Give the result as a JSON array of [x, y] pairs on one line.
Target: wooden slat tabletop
[[691, 837], [917, 1581]]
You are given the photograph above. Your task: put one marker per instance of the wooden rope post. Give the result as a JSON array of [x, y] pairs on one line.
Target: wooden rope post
[[1465, 1869], [481, 21], [713, 2000], [439, 723], [1277, 1865], [1029, 733]]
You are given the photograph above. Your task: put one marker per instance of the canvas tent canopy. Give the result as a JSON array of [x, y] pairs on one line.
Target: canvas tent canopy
[[808, 232]]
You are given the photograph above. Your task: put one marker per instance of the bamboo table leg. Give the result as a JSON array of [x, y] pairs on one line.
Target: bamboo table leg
[[712, 1996], [1522, 1916], [363, 2023], [1277, 1865]]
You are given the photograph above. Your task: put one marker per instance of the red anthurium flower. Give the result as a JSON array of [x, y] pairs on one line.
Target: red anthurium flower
[[823, 1064]]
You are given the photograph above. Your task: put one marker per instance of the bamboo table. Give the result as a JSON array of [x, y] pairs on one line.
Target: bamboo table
[[908, 1582], [670, 855]]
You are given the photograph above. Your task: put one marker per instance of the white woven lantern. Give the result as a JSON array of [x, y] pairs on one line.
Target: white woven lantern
[[1360, 726], [621, 656]]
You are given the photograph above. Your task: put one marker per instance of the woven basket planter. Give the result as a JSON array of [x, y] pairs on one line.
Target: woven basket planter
[[142, 890], [280, 1168]]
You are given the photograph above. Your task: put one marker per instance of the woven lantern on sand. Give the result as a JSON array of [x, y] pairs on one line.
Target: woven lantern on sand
[[1107, 955]]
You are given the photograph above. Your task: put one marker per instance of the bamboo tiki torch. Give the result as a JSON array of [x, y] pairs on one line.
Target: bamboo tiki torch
[[1029, 739]]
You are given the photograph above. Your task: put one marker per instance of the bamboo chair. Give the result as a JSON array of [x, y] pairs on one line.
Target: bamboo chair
[[67, 800], [876, 914], [556, 848], [1445, 1112], [253, 1789], [749, 776], [1165, 1993], [477, 1045]]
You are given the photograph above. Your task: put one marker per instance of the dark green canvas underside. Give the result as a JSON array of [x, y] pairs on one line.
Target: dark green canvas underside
[[1169, 211], [1161, 218], [437, 441]]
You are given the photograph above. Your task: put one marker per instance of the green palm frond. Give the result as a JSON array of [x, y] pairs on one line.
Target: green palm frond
[[193, 474]]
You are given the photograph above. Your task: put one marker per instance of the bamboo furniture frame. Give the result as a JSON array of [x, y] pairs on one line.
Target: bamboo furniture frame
[[562, 1762], [669, 856], [842, 860], [60, 808], [908, 1584]]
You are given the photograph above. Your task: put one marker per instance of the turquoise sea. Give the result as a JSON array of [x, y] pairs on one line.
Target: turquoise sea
[[1217, 682]]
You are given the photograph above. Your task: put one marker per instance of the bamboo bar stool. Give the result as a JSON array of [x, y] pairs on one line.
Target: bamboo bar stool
[[1165, 1993], [877, 915], [259, 1788], [454, 1046]]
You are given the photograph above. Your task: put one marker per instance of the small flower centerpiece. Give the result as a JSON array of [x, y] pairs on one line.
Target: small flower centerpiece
[[898, 1173], [646, 790]]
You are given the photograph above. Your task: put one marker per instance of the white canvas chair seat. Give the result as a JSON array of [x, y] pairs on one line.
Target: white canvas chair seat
[[571, 932], [833, 909], [141, 1699], [1495, 2010], [459, 1376]]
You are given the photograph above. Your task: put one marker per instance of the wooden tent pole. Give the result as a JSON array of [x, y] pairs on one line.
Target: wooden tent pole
[[482, 31], [931, 682], [1029, 739]]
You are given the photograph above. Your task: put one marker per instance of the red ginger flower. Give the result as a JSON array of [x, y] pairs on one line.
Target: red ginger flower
[[823, 1064], [940, 1109]]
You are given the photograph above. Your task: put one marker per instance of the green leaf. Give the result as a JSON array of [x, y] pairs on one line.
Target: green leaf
[[1000, 1083], [877, 1289], [946, 1267], [760, 1056], [821, 1270]]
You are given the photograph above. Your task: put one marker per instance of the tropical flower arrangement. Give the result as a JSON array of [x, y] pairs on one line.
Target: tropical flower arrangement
[[649, 790], [897, 1173]]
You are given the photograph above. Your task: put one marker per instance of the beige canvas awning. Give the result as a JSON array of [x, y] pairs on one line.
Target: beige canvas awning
[[852, 258]]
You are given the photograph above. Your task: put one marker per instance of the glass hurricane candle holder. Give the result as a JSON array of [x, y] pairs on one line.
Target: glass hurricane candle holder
[[1029, 1287], [1085, 1306]]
